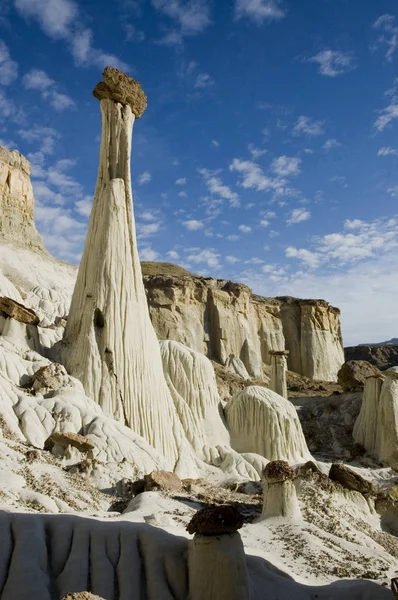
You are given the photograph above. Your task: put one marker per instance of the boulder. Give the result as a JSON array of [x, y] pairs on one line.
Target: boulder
[[353, 373], [215, 520], [163, 480], [49, 377], [76, 440], [119, 87], [19, 312], [349, 479]]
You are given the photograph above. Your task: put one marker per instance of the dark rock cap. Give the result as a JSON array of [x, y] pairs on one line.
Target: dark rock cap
[[121, 88], [278, 470], [216, 520]]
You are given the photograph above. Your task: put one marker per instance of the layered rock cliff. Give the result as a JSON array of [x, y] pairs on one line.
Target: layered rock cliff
[[17, 201], [219, 318]]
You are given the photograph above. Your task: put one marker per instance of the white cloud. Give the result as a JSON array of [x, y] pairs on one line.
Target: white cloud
[[387, 151], [215, 143], [264, 223], [259, 10], [233, 237], [256, 152], [253, 177], [244, 228], [83, 207], [389, 36], [191, 18], [331, 143], [181, 181], [36, 79], [133, 34], [60, 19], [148, 215], [232, 259], [203, 80], [387, 114], [8, 67], [217, 188], [286, 165], [148, 229], [333, 63], [193, 224], [173, 255], [144, 177], [207, 256], [339, 179], [393, 191], [298, 215], [46, 136], [309, 258], [147, 253], [308, 126], [182, 194]]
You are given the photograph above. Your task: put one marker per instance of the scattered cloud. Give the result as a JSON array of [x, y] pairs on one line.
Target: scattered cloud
[[387, 151], [232, 260], [310, 259], [331, 143], [133, 34], [308, 126], [253, 177], [147, 253], [144, 178], [264, 223], [145, 230], [190, 17], [181, 181], [393, 191], [217, 188], [333, 63], [215, 143], [299, 215], [203, 80], [244, 228], [207, 256], [61, 20], [387, 114], [193, 224], [173, 255], [389, 34], [256, 152], [148, 215], [83, 207], [46, 136], [259, 10], [8, 67], [286, 165], [36, 79]]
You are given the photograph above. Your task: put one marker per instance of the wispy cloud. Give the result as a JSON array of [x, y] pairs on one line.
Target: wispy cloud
[[260, 10], [311, 259], [286, 166], [217, 188], [8, 67], [193, 224], [308, 126], [203, 80], [389, 34], [190, 17], [298, 216], [333, 62], [244, 228], [36, 79], [144, 177], [61, 20], [181, 181], [253, 176], [145, 230], [331, 143], [147, 253], [387, 114], [387, 151], [207, 256]]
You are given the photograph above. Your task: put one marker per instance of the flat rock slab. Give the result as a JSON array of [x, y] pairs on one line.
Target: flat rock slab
[[76, 440], [349, 479], [17, 311]]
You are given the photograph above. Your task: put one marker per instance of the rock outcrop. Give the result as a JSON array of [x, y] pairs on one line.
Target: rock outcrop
[[352, 375], [109, 343], [17, 201], [383, 357], [220, 318]]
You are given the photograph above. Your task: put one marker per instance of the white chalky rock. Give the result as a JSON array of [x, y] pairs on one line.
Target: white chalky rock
[[387, 421], [366, 426], [280, 498], [263, 422], [109, 342]]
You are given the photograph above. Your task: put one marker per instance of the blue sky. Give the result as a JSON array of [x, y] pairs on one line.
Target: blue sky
[[268, 153]]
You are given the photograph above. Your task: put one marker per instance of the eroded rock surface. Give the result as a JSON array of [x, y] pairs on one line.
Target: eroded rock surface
[[353, 373]]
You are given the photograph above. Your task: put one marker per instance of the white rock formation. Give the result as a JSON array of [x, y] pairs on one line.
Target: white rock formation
[[278, 382], [109, 342], [17, 201], [280, 498], [265, 423], [366, 428], [387, 420], [217, 568]]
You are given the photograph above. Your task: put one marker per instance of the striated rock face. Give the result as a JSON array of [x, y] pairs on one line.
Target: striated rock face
[[17, 201], [220, 318], [383, 357]]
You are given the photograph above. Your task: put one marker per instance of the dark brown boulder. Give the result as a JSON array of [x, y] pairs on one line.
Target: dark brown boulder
[[278, 470], [215, 520], [349, 479], [353, 373], [19, 312]]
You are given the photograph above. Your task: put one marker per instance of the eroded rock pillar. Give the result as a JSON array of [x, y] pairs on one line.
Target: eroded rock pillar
[[278, 382], [280, 498], [366, 426]]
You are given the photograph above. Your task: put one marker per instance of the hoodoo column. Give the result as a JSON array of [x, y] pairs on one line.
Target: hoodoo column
[[278, 371]]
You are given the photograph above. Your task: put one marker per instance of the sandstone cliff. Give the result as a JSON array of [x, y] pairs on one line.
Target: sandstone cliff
[[219, 318], [17, 201]]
